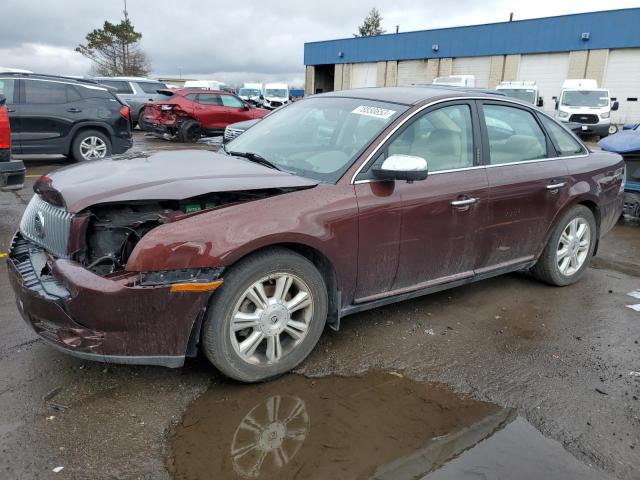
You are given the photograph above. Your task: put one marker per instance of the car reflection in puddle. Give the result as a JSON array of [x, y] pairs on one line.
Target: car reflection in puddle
[[378, 425]]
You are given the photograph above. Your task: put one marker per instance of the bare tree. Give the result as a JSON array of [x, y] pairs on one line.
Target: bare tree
[[371, 26], [114, 50]]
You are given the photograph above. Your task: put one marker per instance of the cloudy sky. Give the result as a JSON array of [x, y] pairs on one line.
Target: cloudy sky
[[236, 40]]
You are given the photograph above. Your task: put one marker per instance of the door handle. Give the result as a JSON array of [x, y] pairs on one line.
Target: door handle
[[556, 186], [465, 202], [11, 110], [74, 110]]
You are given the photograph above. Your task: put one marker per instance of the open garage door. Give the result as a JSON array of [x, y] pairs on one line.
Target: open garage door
[[549, 70], [364, 75], [413, 71], [622, 78], [479, 67]]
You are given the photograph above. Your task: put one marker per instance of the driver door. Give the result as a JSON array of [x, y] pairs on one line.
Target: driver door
[[418, 234]]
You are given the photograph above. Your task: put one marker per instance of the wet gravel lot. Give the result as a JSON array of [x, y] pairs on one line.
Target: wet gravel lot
[[509, 350]]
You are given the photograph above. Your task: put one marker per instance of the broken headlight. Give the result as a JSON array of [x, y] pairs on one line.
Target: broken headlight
[[187, 275]]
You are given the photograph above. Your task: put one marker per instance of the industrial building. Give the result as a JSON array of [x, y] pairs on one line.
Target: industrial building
[[604, 46]]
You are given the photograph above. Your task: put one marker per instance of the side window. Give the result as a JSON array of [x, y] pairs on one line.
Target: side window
[[210, 99], [233, 102], [563, 141], [119, 85], [6, 89], [151, 87], [443, 137], [192, 96], [45, 92], [72, 94], [514, 135]]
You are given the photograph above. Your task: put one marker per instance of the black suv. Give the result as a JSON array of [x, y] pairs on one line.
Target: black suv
[[62, 115]]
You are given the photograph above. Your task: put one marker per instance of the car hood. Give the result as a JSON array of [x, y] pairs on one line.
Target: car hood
[[166, 175], [624, 142]]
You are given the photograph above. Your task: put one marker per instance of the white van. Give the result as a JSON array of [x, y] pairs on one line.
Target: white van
[[521, 90], [468, 81], [581, 101], [251, 93], [205, 85], [275, 95]]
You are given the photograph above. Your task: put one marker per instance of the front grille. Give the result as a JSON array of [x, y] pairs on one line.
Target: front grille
[[584, 118], [48, 226], [231, 133], [276, 104]]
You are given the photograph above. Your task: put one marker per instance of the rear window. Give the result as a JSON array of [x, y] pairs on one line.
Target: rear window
[[152, 87], [120, 86]]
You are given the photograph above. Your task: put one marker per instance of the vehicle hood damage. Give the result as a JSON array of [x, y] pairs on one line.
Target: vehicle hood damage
[[165, 175], [117, 201]]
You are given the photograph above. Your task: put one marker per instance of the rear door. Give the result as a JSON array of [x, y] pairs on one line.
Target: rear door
[[46, 115], [9, 88], [208, 110], [528, 185]]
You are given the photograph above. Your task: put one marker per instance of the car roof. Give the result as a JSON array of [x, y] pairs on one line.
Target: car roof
[[412, 95], [44, 76], [126, 79]]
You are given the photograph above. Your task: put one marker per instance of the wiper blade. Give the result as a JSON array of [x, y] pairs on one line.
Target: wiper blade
[[254, 157]]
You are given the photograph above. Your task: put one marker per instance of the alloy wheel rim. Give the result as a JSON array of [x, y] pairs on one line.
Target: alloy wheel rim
[[573, 246], [92, 148], [271, 319]]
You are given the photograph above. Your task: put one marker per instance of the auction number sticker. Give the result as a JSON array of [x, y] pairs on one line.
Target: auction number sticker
[[373, 111]]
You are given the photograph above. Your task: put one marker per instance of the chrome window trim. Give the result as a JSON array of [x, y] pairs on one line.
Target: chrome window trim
[[449, 99]]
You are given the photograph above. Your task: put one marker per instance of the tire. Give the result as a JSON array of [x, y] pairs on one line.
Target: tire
[[549, 268], [140, 123], [83, 141], [613, 129], [223, 345], [190, 131]]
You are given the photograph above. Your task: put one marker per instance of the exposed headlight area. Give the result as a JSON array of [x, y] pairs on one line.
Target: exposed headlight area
[[188, 279], [605, 114]]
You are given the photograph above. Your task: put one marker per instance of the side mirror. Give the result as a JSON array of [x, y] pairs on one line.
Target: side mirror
[[261, 97], [540, 102], [401, 167], [557, 104], [615, 106]]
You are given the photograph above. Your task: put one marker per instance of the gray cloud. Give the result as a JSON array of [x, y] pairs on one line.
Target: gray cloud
[[233, 41]]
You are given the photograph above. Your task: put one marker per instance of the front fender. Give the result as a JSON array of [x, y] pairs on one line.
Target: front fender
[[323, 218]]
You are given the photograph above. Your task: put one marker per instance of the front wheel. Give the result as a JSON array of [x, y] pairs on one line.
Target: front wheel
[[266, 317], [613, 129], [570, 248]]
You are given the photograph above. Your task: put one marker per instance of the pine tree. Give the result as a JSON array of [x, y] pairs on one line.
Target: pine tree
[[371, 25]]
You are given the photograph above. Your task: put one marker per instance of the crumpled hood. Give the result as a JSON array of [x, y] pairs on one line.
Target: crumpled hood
[[164, 175], [622, 142]]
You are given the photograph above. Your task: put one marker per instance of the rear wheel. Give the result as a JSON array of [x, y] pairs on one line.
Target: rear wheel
[[90, 145], [266, 317], [140, 122], [570, 248], [190, 131]]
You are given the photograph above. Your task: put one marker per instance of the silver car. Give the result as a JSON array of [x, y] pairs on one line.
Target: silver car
[[134, 91]]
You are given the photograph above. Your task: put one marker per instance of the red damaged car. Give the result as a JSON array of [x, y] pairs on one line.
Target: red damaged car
[[189, 114], [336, 204]]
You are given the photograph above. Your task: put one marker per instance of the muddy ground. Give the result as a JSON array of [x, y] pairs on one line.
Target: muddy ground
[[557, 359]]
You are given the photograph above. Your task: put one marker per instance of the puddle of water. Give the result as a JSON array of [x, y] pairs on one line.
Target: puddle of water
[[379, 425]]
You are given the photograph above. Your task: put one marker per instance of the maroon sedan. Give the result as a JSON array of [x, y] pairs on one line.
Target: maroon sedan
[[336, 204], [189, 114]]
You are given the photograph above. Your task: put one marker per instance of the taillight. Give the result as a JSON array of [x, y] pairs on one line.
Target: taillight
[[125, 111], [5, 130]]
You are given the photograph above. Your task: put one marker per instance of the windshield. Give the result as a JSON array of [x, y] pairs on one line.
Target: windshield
[[318, 138], [249, 92], [276, 92], [585, 98], [524, 94]]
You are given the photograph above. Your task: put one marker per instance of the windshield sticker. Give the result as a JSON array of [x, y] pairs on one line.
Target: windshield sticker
[[373, 111]]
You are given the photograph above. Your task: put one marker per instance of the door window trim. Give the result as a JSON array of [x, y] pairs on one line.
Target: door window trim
[[388, 140], [402, 122]]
